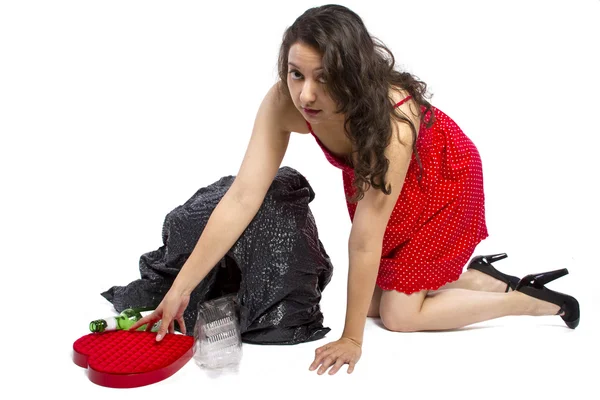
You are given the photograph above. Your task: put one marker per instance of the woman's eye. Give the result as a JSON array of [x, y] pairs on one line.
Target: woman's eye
[[296, 75], [322, 79]]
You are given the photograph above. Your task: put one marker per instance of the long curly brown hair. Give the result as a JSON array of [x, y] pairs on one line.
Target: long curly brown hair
[[359, 71]]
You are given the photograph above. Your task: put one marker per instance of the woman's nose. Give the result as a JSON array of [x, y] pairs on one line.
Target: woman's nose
[[308, 94]]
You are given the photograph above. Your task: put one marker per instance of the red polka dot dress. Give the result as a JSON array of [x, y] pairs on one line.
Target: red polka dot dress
[[437, 222]]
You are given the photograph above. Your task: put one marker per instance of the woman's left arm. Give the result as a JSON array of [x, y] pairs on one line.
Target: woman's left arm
[[364, 252]]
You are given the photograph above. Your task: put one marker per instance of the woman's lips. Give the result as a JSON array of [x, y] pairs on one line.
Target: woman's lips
[[311, 112]]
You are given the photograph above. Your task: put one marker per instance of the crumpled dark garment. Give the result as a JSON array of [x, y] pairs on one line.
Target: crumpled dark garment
[[278, 267]]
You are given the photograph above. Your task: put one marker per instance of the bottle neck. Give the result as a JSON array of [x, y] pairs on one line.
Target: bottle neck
[[98, 325], [105, 324]]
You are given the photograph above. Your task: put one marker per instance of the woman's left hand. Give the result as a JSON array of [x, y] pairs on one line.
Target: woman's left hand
[[343, 351]]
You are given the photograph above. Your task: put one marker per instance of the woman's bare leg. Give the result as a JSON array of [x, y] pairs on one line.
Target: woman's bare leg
[[472, 279], [454, 308], [375, 301]]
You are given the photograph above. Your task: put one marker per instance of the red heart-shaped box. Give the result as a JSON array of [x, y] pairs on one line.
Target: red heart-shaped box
[[125, 359]]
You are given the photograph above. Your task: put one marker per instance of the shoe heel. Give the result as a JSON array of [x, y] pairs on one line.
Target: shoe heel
[[486, 260], [544, 278], [496, 257]]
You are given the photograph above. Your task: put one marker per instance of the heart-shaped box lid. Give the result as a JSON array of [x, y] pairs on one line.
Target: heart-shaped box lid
[[125, 359]]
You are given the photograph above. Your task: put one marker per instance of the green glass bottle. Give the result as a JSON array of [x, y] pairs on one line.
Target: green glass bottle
[[124, 320]]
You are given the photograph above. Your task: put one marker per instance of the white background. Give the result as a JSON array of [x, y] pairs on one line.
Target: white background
[[113, 113]]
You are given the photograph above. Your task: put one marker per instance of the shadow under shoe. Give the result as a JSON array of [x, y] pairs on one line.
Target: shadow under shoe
[[533, 285], [484, 264]]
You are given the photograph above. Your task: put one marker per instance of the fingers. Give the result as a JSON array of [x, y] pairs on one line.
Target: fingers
[[165, 326], [328, 361], [151, 321], [181, 323], [351, 365], [140, 322], [167, 323], [325, 357], [151, 324], [333, 356], [336, 367], [318, 358]]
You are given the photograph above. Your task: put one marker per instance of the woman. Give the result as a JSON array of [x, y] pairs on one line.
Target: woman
[[414, 190]]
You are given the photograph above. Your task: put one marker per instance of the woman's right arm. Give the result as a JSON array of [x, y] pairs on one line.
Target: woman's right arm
[[240, 204], [235, 211]]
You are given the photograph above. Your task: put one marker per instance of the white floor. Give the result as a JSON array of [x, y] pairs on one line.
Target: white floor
[[520, 357], [113, 114]]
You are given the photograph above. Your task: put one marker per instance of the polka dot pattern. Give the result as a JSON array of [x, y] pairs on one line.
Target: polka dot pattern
[[437, 222]]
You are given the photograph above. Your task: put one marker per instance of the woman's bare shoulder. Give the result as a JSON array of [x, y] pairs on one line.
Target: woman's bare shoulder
[[289, 117], [398, 94], [410, 107]]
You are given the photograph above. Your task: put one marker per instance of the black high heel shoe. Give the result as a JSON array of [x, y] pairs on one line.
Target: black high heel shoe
[[533, 285], [484, 264]]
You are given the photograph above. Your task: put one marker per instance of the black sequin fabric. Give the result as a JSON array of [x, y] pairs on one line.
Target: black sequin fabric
[[278, 268]]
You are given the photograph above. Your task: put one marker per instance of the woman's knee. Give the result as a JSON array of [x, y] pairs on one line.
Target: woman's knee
[[400, 312], [399, 322]]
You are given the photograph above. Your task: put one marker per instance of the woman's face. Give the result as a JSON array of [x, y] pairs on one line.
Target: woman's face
[[307, 85]]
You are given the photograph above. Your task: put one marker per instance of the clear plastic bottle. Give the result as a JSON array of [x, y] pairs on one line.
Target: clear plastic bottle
[[217, 337]]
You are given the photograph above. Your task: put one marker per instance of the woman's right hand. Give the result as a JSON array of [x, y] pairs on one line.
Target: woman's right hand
[[169, 310]]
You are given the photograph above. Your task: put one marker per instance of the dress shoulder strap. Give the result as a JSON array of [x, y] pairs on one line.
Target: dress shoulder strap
[[309, 127], [403, 101]]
